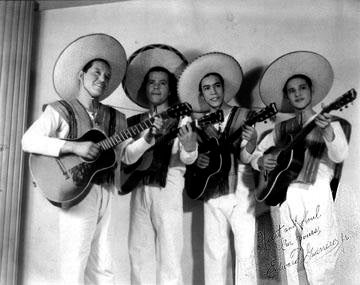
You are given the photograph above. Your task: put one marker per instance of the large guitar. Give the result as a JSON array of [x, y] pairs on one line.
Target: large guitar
[[67, 179], [132, 174], [273, 185], [197, 179]]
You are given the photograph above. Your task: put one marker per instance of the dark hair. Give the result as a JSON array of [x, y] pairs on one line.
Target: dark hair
[[173, 98], [302, 76], [214, 74], [90, 63]]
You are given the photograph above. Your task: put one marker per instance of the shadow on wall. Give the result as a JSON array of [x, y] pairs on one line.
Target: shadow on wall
[[249, 83]]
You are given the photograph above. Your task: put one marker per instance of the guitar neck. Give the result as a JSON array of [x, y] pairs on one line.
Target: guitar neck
[[130, 132], [172, 134], [300, 136]]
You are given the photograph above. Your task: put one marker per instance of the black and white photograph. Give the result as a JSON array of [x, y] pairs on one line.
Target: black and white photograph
[[179, 142]]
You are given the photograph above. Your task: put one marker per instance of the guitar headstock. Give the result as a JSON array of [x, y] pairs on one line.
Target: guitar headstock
[[212, 118], [178, 110], [340, 102], [263, 114]]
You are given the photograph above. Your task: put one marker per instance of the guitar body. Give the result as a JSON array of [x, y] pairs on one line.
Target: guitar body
[[272, 186], [198, 179], [66, 180]]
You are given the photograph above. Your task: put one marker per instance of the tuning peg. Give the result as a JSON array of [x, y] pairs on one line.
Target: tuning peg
[[346, 106], [340, 109]]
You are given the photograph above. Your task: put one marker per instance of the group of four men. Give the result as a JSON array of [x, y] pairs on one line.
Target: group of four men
[[92, 67]]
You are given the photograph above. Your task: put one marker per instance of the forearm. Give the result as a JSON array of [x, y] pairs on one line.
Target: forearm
[[338, 148], [133, 150]]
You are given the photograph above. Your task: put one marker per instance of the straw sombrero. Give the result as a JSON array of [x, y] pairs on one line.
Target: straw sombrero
[[145, 58], [82, 50], [308, 63], [221, 63]]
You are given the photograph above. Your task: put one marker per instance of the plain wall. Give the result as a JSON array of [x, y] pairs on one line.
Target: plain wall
[[255, 33]]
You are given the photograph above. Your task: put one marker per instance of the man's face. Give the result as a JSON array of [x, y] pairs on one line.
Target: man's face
[[96, 78], [212, 90], [157, 87], [298, 93]]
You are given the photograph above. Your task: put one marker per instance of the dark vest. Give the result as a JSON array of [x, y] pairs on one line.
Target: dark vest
[[160, 154], [107, 120], [314, 150], [230, 153]]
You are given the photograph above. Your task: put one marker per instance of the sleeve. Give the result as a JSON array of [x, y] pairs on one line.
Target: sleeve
[[134, 149], [245, 156], [45, 135], [267, 142], [187, 157], [338, 148]]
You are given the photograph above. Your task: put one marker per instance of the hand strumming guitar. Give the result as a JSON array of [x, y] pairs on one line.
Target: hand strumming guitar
[[203, 160], [87, 150], [267, 162]]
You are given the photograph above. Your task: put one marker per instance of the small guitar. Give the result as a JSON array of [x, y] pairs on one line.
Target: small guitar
[[197, 179], [66, 180], [132, 174], [273, 185]]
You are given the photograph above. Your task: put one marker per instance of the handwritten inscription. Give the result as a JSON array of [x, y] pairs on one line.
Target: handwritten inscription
[[283, 239]]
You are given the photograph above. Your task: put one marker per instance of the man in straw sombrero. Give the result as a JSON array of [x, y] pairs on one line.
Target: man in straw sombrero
[[156, 218], [87, 71], [296, 82], [208, 84]]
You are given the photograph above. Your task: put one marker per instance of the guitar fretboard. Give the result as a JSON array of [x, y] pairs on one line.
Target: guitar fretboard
[[337, 104], [125, 134]]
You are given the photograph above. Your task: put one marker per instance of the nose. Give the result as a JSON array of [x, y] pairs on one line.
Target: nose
[[213, 90], [102, 78]]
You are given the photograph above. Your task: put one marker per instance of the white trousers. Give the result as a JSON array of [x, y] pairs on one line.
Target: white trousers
[[85, 240], [234, 211], [156, 233], [309, 234]]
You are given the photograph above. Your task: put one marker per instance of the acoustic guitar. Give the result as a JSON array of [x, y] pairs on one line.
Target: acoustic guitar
[[132, 174], [66, 180], [273, 185], [197, 179]]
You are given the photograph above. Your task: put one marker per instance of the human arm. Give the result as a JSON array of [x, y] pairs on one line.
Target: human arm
[[248, 143], [259, 161], [187, 142], [134, 149]]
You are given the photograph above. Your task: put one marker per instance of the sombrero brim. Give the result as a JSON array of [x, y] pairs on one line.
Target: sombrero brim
[[311, 64], [221, 63], [145, 58], [84, 49]]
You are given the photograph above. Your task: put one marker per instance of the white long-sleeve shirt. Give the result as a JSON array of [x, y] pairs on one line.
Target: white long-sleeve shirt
[[47, 136], [337, 149]]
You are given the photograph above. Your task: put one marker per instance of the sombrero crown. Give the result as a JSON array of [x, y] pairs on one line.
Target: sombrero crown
[[213, 62], [78, 53], [145, 58], [307, 63]]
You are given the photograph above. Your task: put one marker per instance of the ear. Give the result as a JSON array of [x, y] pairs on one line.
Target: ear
[[81, 75]]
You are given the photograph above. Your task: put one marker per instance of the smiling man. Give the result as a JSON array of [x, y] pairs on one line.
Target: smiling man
[[208, 84], [297, 82], [87, 71], [156, 218]]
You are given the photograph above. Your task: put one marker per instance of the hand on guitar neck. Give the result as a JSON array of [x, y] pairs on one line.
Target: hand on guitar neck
[[154, 130], [323, 122]]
